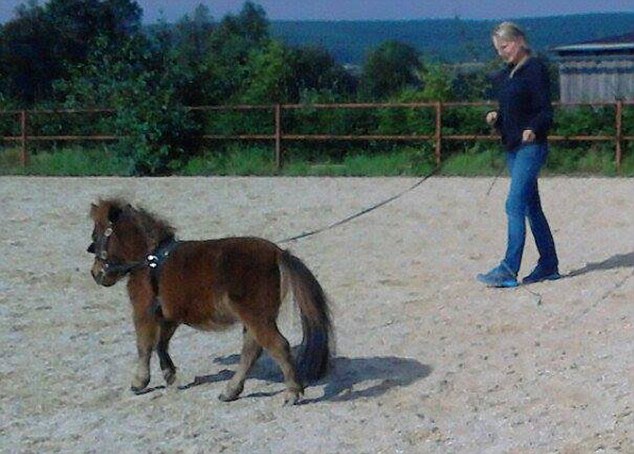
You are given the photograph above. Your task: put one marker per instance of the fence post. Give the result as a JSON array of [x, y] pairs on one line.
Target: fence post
[[278, 136], [24, 154], [619, 134], [438, 135]]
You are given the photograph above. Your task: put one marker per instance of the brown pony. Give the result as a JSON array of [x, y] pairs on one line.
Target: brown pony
[[209, 285]]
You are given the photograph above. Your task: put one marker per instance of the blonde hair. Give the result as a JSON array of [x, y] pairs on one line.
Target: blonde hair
[[509, 31]]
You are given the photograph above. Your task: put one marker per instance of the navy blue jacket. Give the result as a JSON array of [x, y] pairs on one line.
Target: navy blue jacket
[[524, 103]]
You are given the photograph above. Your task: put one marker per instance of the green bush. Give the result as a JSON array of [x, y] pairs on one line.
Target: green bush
[[157, 138], [407, 120], [140, 82], [584, 121]]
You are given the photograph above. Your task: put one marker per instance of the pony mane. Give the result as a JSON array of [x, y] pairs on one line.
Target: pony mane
[[155, 228]]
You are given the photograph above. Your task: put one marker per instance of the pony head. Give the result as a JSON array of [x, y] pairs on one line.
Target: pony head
[[122, 237]]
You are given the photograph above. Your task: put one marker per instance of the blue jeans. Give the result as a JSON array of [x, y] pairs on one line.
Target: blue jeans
[[524, 164]]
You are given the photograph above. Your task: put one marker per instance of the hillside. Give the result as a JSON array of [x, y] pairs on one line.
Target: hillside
[[447, 40]]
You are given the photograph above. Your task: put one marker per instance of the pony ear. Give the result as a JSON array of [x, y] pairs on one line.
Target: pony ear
[[114, 213]]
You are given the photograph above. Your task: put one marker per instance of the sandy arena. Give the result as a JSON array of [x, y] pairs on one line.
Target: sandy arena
[[427, 361]]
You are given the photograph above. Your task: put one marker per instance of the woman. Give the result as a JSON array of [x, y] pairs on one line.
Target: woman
[[523, 120]]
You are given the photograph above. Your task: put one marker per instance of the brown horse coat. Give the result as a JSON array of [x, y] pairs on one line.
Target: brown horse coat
[[209, 285]]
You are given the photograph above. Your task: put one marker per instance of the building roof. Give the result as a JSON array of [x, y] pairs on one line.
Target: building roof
[[628, 38], [620, 43]]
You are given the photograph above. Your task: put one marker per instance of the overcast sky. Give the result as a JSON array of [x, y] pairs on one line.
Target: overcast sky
[[172, 10]]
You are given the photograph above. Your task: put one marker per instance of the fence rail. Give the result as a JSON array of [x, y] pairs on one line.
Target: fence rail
[[278, 136]]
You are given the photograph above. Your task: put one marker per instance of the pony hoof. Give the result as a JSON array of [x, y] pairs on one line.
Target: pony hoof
[[291, 398], [138, 389], [139, 386], [227, 397], [170, 377]]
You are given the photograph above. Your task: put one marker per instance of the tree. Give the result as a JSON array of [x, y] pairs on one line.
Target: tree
[[473, 82], [251, 23], [27, 63], [437, 83], [216, 54], [388, 69], [192, 35], [42, 42], [191, 40], [315, 70], [78, 23], [141, 83], [279, 73], [268, 75]]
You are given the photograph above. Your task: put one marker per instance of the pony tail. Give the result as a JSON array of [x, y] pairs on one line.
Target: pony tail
[[315, 352]]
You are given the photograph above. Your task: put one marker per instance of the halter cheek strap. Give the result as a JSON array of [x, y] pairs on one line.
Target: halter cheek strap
[[101, 249], [155, 262]]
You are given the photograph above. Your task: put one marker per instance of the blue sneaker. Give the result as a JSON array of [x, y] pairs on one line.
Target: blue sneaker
[[500, 276], [540, 274]]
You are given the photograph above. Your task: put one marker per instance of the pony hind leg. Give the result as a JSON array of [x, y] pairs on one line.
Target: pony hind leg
[[166, 332], [271, 339], [251, 351]]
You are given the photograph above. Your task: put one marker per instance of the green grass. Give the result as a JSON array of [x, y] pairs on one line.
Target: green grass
[[627, 165], [65, 162], [235, 161], [478, 160], [481, 159], [401, 162], [595, 160]]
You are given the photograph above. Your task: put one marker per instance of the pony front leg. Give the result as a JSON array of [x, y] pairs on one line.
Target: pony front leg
[[167, 366], [146, 338], [250, 353]]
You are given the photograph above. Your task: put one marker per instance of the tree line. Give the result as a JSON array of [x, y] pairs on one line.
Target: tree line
[[97, 54], [47, 49]]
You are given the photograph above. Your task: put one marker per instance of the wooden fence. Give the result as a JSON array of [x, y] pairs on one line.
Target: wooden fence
[[278, 135]]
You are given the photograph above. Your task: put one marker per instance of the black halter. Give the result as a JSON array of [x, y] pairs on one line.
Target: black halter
[[99, 247], [154, 260]]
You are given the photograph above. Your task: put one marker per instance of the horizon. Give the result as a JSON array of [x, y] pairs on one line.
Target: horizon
[[155, 11], [454, 18]]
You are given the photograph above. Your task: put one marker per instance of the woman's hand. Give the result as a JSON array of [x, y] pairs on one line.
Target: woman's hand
[[491, 117], [528, 136]]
